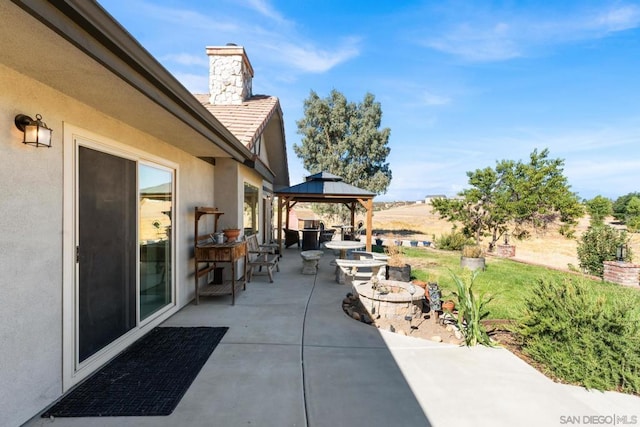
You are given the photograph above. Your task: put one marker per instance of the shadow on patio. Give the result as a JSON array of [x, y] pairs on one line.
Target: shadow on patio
[[291, 357]]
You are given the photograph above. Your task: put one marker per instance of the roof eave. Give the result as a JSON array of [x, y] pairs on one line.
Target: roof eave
[[92, 30]]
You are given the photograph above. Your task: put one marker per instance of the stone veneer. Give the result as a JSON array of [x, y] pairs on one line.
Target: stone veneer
[[506, 251], [623, 273], [230, 75]]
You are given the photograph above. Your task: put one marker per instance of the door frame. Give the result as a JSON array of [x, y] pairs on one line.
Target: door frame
[[72, 371]]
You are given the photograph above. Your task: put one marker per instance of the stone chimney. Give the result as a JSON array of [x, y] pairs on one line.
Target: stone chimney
[[230, 75]]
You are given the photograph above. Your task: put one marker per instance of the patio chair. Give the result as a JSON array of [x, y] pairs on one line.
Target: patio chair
[[291, 237]]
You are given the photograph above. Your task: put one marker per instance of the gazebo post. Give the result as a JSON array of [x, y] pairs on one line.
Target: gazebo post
[[352, 208], [280, 201], [369, 223], [368, 205]]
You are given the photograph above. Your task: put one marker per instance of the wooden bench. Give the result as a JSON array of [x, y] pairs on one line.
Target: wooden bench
[[259, 256]]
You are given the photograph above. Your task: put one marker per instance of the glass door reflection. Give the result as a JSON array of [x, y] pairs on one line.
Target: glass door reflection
[[155, 236]]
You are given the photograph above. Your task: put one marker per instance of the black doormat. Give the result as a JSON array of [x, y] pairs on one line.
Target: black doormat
[[149, 378]]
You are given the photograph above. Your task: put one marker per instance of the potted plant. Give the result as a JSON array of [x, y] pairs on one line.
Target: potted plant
[[449, 306], [231, 233], [472, 257], [397, 268]]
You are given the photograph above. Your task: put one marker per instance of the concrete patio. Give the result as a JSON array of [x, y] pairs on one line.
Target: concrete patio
[[292, 358]]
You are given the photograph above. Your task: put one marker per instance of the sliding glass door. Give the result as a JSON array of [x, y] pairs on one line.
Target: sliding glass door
[[124, 246]]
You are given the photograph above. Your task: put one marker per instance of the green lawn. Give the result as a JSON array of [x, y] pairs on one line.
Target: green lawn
[[509, 282]]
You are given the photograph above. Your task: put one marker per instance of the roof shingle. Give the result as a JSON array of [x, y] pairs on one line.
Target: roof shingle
[[246, 121]]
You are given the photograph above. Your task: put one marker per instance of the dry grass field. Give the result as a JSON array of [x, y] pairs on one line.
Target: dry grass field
[[418, 222]]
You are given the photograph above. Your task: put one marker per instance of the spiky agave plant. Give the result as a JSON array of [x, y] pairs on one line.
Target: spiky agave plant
[[471, 310]]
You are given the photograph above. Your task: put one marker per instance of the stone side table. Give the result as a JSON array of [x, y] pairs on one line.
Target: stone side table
[[310, 261]]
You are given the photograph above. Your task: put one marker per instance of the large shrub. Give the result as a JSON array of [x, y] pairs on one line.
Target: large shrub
[[599, 244], [581, 337], [454, 241]]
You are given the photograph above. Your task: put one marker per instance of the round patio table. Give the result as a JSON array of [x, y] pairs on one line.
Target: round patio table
[[343, 246]]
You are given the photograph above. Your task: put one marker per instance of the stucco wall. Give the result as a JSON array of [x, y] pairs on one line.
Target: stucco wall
[[31, 230]]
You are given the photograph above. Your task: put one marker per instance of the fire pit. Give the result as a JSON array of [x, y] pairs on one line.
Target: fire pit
[[390, 299]]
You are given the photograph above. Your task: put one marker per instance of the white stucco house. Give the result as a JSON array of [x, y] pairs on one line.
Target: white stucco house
[[98, 230]]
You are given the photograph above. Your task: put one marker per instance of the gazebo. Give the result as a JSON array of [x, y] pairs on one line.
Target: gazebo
[[325, 187]]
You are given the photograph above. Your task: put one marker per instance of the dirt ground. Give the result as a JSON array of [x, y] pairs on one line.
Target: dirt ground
[[418, 222]]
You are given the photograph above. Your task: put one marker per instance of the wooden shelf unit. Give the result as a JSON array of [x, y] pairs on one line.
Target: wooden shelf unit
[[208, 255]]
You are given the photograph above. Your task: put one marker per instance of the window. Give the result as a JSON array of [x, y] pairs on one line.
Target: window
[[250, 221]]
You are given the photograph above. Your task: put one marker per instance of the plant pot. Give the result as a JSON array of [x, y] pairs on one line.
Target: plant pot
[[414, 243], [231, 234], [379, 242], [472, 263], [448, 306], [400, 273], [420, 284]]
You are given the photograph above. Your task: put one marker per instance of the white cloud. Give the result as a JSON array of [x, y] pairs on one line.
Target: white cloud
[[311, 59], [291, 48], [618, 19], [195, 83], [432, 99], [264, 8], [478, 44], [502, 38], [186, 59]]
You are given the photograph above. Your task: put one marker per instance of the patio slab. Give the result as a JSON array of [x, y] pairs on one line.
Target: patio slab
[[293, 358]]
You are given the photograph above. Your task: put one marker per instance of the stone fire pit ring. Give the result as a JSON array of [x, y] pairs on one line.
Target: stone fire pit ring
[[393, 305]]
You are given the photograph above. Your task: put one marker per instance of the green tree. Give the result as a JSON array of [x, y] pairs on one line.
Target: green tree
[[481, 209], [632, 218], [620, 206], [599, 208], [514, 195], [344, 138], [599, 244]]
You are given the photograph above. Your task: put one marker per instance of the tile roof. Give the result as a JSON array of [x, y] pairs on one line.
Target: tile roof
[[246, 121]]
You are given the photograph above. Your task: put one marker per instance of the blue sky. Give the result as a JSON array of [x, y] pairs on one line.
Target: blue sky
[[462, 84]]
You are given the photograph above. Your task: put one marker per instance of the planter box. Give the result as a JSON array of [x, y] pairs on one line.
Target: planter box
[[472, 263]]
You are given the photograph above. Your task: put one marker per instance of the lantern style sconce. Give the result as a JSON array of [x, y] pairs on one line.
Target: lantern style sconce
[[35, 131], [621, 252]]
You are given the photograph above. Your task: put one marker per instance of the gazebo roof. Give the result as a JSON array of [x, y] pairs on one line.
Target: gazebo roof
[[324, 187]]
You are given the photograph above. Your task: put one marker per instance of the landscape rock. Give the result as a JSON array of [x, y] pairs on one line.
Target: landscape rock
[[436, 338]]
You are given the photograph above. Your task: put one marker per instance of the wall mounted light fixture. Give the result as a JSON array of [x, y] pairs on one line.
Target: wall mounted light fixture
[[35, 131]]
